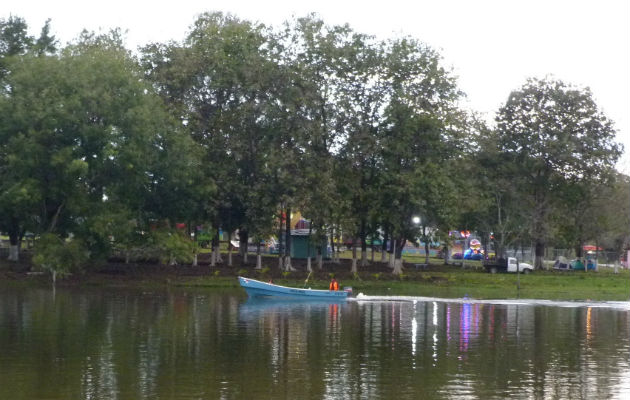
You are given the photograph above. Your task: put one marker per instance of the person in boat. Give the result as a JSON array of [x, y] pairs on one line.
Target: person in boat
[[334, 285]]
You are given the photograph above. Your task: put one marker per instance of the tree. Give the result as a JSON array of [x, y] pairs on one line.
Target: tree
[[362, 98], [82, 136], [14, 40], [215, 84], [497, 212], [555, 136], [420, 121]]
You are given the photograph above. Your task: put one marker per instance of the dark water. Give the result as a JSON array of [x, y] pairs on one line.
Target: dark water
[[121, 344]]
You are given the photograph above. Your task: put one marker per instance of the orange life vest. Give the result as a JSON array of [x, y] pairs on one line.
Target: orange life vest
[[334, 285]]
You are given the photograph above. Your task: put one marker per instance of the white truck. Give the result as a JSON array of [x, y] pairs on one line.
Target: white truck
[[510, 264]]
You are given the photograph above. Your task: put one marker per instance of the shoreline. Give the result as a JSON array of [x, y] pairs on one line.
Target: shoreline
[[436, 280]]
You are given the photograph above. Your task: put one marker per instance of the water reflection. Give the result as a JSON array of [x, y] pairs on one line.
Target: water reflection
[[201, 344]]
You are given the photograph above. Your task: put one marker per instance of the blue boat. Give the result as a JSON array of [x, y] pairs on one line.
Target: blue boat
[[256, 288]]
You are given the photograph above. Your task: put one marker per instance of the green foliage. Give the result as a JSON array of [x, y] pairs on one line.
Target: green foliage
[[237, 121], [174, 247], [59, 256], [555, 139]]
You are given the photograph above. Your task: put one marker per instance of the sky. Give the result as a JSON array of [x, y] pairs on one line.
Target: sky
[[493, 46]]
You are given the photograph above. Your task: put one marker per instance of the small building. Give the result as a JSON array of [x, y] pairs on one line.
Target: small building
[[301, 243]]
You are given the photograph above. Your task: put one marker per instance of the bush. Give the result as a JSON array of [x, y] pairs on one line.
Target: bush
[[60, 257], [175, 247]]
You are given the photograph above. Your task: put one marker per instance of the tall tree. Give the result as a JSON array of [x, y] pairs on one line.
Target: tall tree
[[556, 136], [78, 139], [214, 82], [420, 121]]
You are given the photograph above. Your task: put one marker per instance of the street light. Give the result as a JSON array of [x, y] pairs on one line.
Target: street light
[[415, 220]]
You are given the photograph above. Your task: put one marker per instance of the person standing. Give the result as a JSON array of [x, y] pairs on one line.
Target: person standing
[[334, 285]]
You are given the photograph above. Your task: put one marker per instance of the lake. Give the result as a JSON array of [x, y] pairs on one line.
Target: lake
[[96, 343]]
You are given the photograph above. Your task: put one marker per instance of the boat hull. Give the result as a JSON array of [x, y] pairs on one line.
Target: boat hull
[[256, 288]]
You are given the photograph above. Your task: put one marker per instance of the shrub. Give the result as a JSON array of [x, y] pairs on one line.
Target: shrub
[[60, 257], [174, 247]]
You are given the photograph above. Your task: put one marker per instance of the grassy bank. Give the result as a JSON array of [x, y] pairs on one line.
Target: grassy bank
[[437, 280], [455, 283]]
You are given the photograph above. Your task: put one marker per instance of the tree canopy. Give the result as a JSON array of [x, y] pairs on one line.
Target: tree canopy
[[238, 124]]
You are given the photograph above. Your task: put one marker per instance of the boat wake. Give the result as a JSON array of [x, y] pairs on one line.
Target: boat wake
[[619, 305]]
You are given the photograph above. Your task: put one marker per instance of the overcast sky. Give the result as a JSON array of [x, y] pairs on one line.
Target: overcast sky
[[493, 46]]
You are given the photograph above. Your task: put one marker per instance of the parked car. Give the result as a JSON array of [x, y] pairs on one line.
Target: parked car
[[510, 264]]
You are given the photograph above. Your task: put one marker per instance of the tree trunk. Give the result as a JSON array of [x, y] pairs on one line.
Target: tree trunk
[[372, 255], [258, 256], [308, 264], [446, 254], [337, 253], [578, 249], [287, 263], [14, 252], [354, 256], [14, 240], [287, 234], [195, 260], [332, 243], [218, 257], [319, 260], [540, 252], [281, 240], [287, 258], [426, 252], [363, 237], [392, 255], [398, 262], [243, 237], [384, 247], [364, 262], [397, 266]]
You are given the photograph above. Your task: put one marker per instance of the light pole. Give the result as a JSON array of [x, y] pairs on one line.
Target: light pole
[[416, 221]]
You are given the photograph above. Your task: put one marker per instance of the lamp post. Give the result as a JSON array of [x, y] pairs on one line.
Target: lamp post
[[416, 221]]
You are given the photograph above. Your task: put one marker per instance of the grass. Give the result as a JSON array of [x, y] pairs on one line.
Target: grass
[[457, 283], [437, 281]]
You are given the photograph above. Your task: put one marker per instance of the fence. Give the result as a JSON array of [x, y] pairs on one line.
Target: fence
[[603, 258]]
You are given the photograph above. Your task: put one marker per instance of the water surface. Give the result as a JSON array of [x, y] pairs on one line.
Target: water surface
[[195, 344]]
